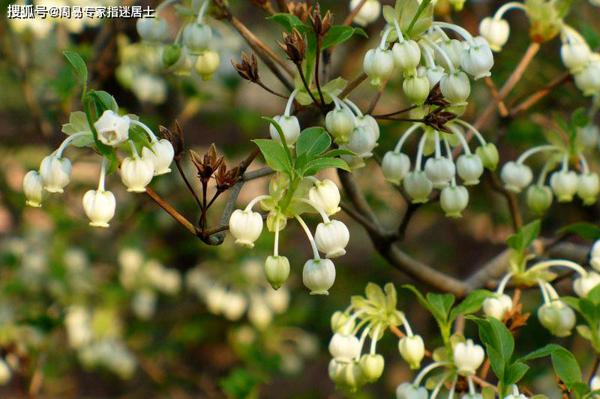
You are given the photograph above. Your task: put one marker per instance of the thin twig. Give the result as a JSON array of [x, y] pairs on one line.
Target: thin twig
[[350, 18], [187, 182], [353, 84], [511, 199], [171, 211], [499, 101], [538, 95]]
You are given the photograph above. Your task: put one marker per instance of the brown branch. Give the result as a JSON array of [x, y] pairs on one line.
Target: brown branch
[[182, 220], [499, 101], [538, 95], [353, 84], [350, 18], [511, 199]]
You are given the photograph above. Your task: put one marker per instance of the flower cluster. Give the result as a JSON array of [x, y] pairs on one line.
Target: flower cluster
[[245, 294], [440, 171], [194, 46], [425, 56], [146, 156]]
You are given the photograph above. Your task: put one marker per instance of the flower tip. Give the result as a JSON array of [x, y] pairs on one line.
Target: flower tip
[[335, 254], [319, 292], [99, 224], [245, 243], [33, 204], [162, 172]]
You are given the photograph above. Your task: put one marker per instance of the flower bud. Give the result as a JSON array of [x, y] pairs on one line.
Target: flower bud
[[55, 173], [136, 173], [440, 170], [99, 206], [259, 313], [336, 371], [589, 136], [33, 188], [497, 306], [207, 64], [378, 65], [332, 238], [595, 381], [289, 126], [468, 357], [539, 198], [339, 123], [588, 187], [368, 13], [575, 55], [369, 124], [395, 166], [277, 270], [245, 226], [557, 317], [152, 29], [340, 323], [326, 195], [234, 305], [495, 31], [583, 285], [489, 156], [362, 142], [564, 184], [215, 299], [595, 255], [112, 128], [352, 376], [469, 168], [412, 350], [161, 153], [455, 87], [588, 79], [434, 74], [197, 37], [416, 87], [407, 55], [372, 366], [407, 390], [171, 54], [454, 49], [318, 275], [344, 347], [278, 300], [418, 186], [478, 60], [516, 176], [454, 200]]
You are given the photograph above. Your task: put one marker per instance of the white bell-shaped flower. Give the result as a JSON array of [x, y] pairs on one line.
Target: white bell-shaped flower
[[595, 255], [55, 173], [378, 65], [497, 306], [33, 188], [416, 87], [478, 59], [368, 13], [370, 124], [434, 74], [595, 381], [407, 55], [99, 206], [588, 78], [516, 176], [207, 64], [344, 347], [112, 128], [332, 238], [259, 313], [575, 55], [136, 173], [495, 31], [235, 305], [588, 187], [325, 195], [583, 285], [455, 87], [289, 126], [161, 153], [340, 123], [372, 366], [197, 37], [557, 317], [564, 185], [539, 198], [395, 166], [454, 49], [412, 350], [418, 186], [589, 135], [454, 200], [470, 168], [245, 226], [5, 373], [152, 29], [277, 270], [468, 357], [318, 275], [407, 390], [440, 170], [362, 142]]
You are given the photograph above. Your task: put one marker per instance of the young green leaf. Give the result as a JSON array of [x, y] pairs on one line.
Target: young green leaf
[[471, 304], [440, 305], [312, 142], [316, 165], [585, 230], [104, 101], [566, 367], [499, 343], [274, 154], [78, 65], [514, 373], [288, 21], [338, 34], [525, 236]]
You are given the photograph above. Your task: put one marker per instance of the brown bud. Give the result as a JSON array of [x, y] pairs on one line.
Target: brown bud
[[264, 4], [438, 119], [175, 138], [207, 164], [294, 46], [226, 178], [247, 68], [436, 97], [301, 10], [320, 24]]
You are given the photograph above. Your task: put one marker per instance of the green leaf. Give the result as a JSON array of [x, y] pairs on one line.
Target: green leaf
[[312, 142], [580, 118], [471, 304], [525, 236], [337, 152], [585, 230], [104, 101], [514, 373], [338, 34], [78, 124], [288, 21], [594, 295], [78, 65], [541, 352], [499, 343], [421, 17], [440, 305], [319, 164], [566, 367], [274, 154], [422, 300]]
